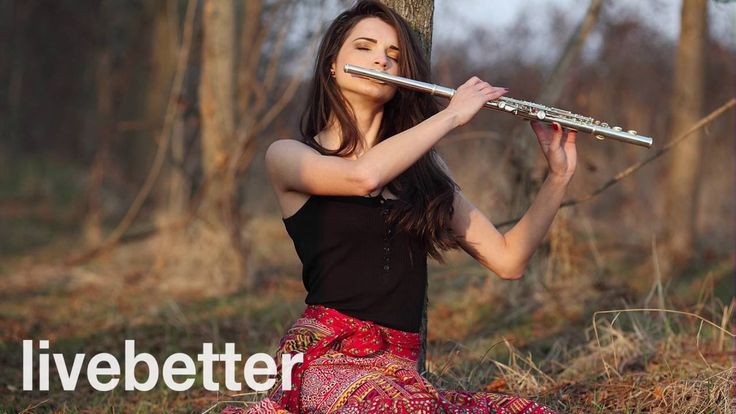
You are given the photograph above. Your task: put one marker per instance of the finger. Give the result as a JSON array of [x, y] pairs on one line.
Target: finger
[[498, 93], [569, 138], [571, 149], [473, 81], [537, 127], [468, 83], [486, 89], [491, 89], [556, 136]]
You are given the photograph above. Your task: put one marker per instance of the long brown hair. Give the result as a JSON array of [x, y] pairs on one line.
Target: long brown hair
[[425, 192]]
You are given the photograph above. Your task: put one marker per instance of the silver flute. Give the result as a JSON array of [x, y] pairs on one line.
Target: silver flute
[[523, 109]]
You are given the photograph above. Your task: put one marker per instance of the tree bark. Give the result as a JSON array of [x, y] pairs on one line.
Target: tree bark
[[217, 100], [172, 196], [217, 91], [237, 107], [104, 115], [687, 107], [419, 14], [104, 112]]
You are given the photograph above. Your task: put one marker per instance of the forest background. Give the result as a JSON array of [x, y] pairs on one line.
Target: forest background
[[134, 202]]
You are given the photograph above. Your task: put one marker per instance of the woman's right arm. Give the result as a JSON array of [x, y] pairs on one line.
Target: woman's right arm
[[293, 166]]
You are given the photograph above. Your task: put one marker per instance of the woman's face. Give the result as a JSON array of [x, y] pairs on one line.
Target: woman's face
[[371, 44]]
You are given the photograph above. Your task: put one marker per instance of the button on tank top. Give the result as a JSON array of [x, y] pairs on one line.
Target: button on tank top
[[357, 264]]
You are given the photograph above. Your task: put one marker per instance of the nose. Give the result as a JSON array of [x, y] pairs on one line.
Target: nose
[[381, 60]]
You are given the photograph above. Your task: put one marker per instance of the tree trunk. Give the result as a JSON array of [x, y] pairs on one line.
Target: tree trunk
[[217, 91], [217, 103], [528, 166], [258, 93], [419, 14], [164, 44], [687, 106], [104, 115], [17, 53], [172, 196], [527, 161], [104, 112]]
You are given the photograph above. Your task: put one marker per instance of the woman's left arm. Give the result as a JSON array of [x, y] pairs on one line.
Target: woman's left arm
[[508, 254]]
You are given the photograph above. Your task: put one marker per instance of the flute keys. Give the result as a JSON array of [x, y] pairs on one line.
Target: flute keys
[[631, 131], [506, 106], [541, 115], [600, 137], [617, 128]]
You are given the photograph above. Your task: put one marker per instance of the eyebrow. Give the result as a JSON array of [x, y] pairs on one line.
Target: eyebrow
[[375, 41]]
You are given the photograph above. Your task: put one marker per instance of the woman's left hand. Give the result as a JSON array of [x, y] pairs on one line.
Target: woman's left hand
[[558, 147]]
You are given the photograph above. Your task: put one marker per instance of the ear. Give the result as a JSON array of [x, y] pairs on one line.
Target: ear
[[332, 69]]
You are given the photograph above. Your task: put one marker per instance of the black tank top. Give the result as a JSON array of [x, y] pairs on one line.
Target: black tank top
[[355, 263]]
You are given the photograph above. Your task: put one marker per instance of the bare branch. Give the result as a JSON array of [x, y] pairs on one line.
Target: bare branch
[[630, 170]]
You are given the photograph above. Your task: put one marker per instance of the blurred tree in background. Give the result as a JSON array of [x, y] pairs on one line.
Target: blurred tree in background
[[682, 187], [103, 122], [132, 182]]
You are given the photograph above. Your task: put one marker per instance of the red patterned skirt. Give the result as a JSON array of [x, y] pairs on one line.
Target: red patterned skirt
[[356, 366]]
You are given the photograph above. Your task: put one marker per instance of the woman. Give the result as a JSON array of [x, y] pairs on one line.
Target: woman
[[366, 199]]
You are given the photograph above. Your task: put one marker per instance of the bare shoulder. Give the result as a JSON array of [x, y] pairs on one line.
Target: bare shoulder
[[281, 149], [288, 143], [294, 166], [280, 153]]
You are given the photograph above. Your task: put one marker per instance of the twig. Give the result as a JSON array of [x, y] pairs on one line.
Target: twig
[[618, 177], [483, 358], [27, 409]]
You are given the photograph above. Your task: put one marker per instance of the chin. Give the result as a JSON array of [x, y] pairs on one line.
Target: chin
[[376, 93], [379, 91]]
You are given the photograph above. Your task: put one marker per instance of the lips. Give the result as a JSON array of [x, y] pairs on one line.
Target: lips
[[370, 79]]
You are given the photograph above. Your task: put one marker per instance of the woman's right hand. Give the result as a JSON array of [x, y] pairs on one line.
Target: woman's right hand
[[470, 97]]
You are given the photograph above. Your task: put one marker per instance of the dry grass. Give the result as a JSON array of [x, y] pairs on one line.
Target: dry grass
[[619, 370], [570, 347]]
